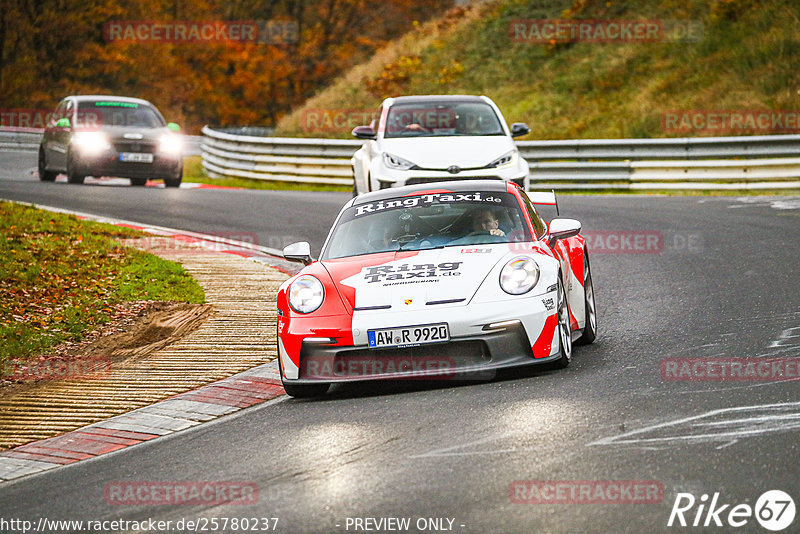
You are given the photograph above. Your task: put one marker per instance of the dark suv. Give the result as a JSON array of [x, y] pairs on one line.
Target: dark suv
[[110, 136]]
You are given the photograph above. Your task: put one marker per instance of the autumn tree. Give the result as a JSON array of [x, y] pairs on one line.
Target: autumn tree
[[51, 48]]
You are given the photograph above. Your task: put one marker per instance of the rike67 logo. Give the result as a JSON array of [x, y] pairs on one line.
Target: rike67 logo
[[774, 510]]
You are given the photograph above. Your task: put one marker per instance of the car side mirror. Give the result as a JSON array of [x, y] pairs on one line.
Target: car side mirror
[[364, 132], [562, 229], [63, 123], [300, 252], [518, 129], [173, 127]]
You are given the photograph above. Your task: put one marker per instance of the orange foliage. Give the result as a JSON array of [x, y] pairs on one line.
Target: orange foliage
[[52, 48]]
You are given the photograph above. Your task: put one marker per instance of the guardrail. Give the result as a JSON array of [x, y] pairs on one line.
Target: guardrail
[[754, 162], [25, 139], [320, 161], [28, 140]]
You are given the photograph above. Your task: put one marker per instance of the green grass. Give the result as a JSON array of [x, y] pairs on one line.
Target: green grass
[[193, 172], [148, 277], [61, 277]]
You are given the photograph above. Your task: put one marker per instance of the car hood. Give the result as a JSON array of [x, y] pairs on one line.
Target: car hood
[[414, 280], [442, 152]]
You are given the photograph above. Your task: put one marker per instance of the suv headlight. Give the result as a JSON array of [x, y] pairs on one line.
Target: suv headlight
[[91, 143], [519, 276], [506, 160], [395, 162], [306, 294], [170, 144]]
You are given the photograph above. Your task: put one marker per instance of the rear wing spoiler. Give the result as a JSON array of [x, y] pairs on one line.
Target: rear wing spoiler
[[544, 198]]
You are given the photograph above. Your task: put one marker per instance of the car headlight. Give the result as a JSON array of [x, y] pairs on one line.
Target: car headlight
[[91, 143], [506, 160], [170, 144], [519, 276], [395, 162], [306, 294]]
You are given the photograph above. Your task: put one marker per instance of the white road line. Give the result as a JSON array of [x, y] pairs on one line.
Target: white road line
[[788, 419]]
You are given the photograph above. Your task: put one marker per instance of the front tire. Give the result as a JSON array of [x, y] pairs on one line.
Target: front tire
[[590, 328], [44, 174], [72, 175], [564, 329], [176, 180]]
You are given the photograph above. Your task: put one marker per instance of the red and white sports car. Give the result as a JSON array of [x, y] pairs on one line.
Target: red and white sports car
[[429, 281]]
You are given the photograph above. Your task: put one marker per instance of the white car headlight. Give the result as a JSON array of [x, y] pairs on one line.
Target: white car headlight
[[506, 160], [395, 162], [306, 294], [170, 144], [519, 276], [91, 142]]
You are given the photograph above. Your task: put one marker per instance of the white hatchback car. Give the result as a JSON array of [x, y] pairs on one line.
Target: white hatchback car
[[435, 138]]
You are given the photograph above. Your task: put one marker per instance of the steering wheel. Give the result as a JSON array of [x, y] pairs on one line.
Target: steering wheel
[[405, 239]]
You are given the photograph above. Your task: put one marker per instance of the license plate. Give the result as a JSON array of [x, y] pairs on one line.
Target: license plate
[[136, 157], [405, 336]]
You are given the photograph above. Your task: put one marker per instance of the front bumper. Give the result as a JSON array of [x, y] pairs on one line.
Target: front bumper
[[312, 350], [109, 164], [466, 358], [384, 178]]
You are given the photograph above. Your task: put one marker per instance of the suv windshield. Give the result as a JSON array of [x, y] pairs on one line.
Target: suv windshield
[[430, 220], [110, 113], [431, 119]]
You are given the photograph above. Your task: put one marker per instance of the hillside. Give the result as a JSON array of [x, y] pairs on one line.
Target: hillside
[[739, 57]]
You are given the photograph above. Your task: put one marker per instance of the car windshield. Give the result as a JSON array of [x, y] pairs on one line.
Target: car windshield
[[111, 113], [432, 119], [426, 221]]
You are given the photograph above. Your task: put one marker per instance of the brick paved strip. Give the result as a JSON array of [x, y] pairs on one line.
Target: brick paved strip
[[224, 390], [118, 433], [11, 468], [47, 451], [42, 457], [161, 419], [241, 403], [126, 425]]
